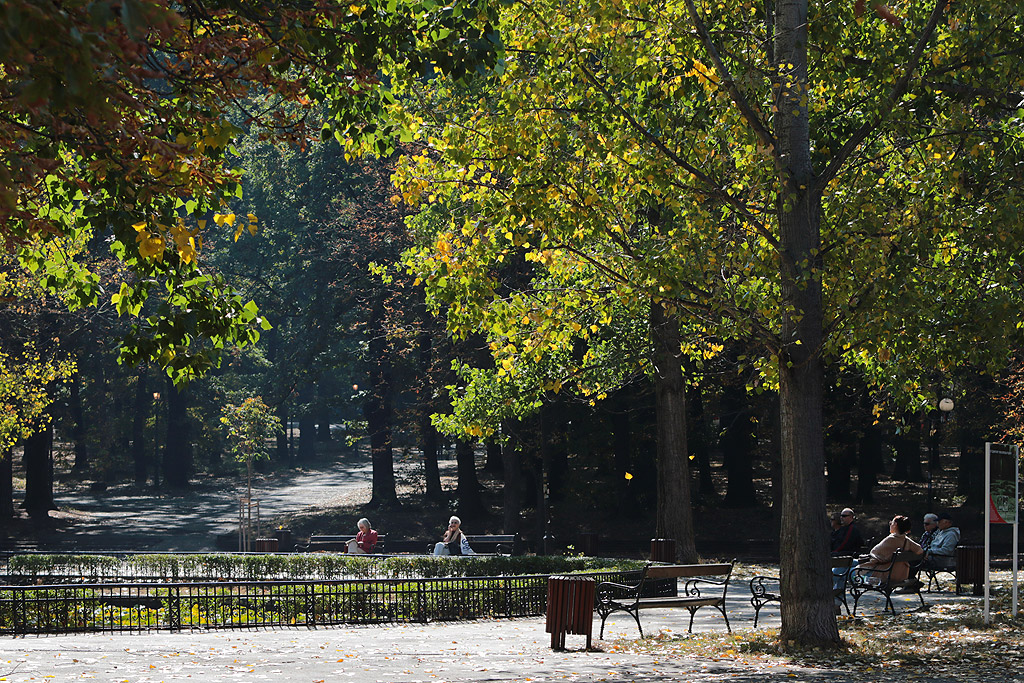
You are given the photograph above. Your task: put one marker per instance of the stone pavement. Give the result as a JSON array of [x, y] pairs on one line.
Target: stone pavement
[[487, 651]]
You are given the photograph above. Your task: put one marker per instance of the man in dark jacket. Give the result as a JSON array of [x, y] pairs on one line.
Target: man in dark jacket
[[847, 540]]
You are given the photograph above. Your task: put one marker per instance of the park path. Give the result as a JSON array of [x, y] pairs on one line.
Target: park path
[[125, 517]]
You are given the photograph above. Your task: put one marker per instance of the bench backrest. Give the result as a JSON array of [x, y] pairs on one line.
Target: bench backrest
[[492, 538], [483, 543], [677, 571]]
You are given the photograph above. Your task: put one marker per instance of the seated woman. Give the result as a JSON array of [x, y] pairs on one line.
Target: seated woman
[[881, 555], [364, 541], [454, 541]]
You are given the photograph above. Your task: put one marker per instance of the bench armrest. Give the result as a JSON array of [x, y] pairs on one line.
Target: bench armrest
[[609, 590], [759, 585], [692, 586]]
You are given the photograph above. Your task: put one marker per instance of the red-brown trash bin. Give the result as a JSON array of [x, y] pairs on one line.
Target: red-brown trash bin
[[570, 608]]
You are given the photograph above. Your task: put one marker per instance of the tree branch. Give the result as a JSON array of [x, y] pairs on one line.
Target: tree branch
[[897, 91]]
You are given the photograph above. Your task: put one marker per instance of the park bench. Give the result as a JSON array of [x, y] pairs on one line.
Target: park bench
[[864, 580], [338, 543], [492, 544], [949, 567], [618, 597], [764, 589]]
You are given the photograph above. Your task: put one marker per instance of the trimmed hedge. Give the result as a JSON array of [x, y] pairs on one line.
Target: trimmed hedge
[[60, 568]]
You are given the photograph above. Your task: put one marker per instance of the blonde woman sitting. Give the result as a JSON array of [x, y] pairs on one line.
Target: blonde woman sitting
[[454, 541]]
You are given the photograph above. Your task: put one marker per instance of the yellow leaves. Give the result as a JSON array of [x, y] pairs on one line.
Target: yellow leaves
[[150, 244]]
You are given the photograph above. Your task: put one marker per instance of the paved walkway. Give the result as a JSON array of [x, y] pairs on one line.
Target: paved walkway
[[205, 518], [487, 651]]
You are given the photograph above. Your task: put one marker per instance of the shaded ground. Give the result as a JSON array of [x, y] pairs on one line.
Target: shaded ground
[[519, 650]]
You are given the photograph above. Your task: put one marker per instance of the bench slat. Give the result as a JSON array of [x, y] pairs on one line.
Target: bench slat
[[675, 571]]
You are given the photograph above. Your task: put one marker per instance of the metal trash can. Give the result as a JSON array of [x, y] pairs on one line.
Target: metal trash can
[[663, 550], [570, 608], [266, 545], [970, 567]]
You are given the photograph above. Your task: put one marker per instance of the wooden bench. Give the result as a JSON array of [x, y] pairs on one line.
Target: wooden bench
[[864, 580], [491, 544], [932, 572], [765, 589], [617, 597], [339, 543]]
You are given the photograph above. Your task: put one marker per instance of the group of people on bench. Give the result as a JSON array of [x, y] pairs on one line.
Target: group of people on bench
[[454, 541], [935, 550]]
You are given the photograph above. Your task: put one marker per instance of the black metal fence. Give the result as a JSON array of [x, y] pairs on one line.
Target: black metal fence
[[143, 606]]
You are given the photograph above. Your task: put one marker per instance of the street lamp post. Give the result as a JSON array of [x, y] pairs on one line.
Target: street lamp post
[[156, 439], [945, 405]]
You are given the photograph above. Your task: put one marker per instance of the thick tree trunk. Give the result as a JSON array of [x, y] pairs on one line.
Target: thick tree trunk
[[674, 510], [177, 460], [806, 586], [38, 459], [141, 412]]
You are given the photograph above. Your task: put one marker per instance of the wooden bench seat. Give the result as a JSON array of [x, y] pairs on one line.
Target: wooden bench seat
[[616, 597], [338, 543], [491, 544]]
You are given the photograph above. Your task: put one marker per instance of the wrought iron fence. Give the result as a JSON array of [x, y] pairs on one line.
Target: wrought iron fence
[[143, 606]]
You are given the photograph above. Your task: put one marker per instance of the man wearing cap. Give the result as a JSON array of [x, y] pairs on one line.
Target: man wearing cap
[[847, 540], [939, 547]]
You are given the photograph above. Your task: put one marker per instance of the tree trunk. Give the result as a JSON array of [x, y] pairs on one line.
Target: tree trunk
[[869, 463], [674, 510], [177, 461], [471, 503], [6, 487], [806, 586], [140, 413], [377, 411], [493, 462], [78, 426], [697, 440], [908, 450], [38, 459], [323, 423], [307, 437], [281, 438], [737, 443], [512, 490]]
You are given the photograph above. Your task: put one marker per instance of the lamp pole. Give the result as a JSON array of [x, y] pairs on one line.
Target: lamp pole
[[156, 439], [945, 405]]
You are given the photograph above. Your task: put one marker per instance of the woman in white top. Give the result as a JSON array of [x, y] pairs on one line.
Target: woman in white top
[[454, 541]]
